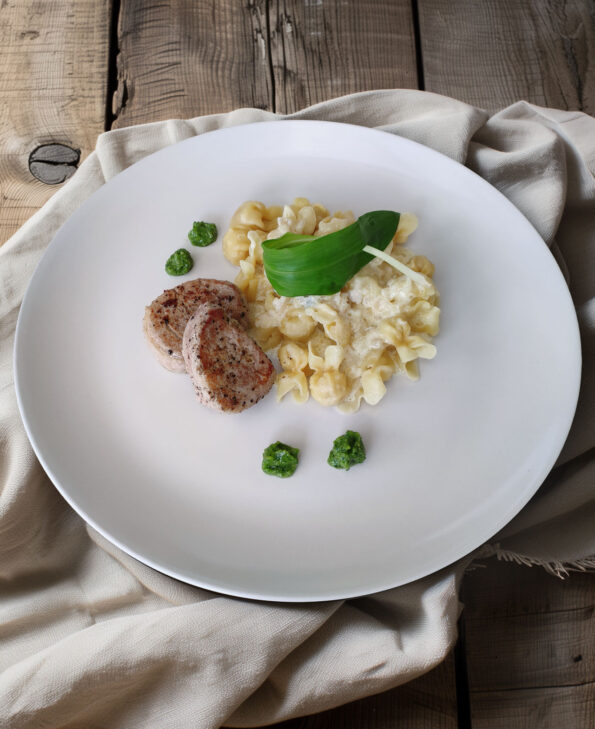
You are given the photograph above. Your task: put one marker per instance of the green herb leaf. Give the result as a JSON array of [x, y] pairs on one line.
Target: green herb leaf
[[305, 265]]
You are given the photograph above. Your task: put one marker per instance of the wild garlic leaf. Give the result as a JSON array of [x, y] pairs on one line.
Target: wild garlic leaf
[[305, 265]]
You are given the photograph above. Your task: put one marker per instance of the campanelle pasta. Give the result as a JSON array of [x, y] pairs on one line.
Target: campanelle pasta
[[338, 349]]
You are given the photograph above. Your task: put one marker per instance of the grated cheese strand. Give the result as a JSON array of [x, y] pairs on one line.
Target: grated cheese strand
[[416, 277]]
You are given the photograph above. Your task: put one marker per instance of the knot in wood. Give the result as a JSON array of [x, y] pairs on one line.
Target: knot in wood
[[53, 163]]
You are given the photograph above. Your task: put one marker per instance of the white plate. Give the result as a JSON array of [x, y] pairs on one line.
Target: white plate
[[451, 458]]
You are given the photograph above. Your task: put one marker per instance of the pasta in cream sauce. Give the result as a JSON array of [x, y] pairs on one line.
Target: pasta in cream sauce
[[338, 349]]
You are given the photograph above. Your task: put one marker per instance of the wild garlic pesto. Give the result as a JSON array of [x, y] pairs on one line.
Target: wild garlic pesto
[[280, 459]]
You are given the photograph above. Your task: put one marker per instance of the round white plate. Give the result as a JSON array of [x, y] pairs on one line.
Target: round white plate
[[451, 458]]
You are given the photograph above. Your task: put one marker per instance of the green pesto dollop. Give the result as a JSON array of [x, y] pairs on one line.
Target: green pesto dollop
[[348, 450], [203, 234], [280, 460], [179, 263]]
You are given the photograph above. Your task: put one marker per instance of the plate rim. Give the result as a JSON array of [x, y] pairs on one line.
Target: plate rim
[[514, 509]]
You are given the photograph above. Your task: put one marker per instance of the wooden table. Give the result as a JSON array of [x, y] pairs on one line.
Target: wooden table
[[71, 69]]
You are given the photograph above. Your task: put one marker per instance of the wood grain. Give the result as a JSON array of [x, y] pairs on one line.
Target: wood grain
[[530, 648], [53, 84], [429, 702], [322, 49], [495, 52], [552, 708], [181, 59]]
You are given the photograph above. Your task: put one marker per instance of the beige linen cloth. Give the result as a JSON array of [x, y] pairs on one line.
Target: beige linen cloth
[[89, 637]]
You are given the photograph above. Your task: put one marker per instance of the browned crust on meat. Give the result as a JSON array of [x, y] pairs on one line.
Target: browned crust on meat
[[167, 316], [229, 371]]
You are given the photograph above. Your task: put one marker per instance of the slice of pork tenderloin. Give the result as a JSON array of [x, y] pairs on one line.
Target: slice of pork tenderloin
[[166, 317], [228, 369]]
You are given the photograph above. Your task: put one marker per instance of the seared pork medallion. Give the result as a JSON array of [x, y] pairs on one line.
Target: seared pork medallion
[[166, 317], [230, 372]]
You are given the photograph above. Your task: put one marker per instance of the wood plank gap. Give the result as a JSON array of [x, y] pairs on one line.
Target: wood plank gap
[[419, 60], [581, 609], [273, 96], [462, 678], [112, 64], [534, 688]]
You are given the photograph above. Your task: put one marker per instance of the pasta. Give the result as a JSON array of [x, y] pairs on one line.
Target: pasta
[[338, 349]]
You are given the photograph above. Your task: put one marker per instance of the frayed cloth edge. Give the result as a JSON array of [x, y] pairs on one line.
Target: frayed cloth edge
[[557, 568]]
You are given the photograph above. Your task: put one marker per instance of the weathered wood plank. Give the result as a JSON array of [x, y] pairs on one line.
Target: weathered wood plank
[[322, 49], [495, 52], [181, 59], [53, 85], [558, 707], [429, 702], [530, 648]]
